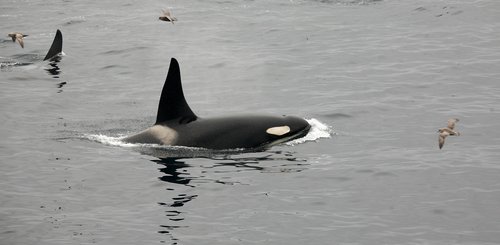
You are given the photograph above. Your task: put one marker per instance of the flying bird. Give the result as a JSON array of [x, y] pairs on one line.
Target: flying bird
[[167, 16], [445, 132], [17, 36]]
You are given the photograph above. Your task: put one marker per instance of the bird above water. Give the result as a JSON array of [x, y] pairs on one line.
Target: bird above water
[[17, 36], [449, 130], [167, 16]]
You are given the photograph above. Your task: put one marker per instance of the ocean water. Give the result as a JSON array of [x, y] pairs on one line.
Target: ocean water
[[377, 79]]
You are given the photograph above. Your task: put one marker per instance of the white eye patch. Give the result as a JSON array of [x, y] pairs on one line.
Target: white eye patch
[[281, 130]]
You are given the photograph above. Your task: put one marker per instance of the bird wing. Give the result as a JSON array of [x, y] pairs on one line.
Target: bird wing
[[168, 15], [166, 12], [443, 133], [441, 140], [20, 40], [451, 123]]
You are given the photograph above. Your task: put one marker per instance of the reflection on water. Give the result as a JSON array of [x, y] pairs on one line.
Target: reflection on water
[[216, 169], [173, 171], [61, 84], [177, 172], [54, 71]]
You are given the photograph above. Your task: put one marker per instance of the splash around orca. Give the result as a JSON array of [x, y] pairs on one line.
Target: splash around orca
[[177, 125]]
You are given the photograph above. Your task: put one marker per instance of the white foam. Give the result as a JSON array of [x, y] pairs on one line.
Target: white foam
[[118, 141], [109, 140], [318, 130], [160, 151]]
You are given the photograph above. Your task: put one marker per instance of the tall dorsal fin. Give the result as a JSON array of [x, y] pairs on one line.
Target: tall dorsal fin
[[56, 46], [173, 105]]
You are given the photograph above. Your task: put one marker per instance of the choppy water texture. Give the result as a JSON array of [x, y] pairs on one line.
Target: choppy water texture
[[384, 75]]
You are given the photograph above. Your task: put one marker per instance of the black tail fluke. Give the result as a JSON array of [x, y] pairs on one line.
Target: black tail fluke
[[56, 47]]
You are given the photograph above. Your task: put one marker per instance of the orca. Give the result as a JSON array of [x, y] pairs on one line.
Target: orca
[[56, 47], [177, 125]]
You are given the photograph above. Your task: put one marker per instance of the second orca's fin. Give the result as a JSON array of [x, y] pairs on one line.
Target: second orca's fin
[[172, 104], [56, 46]]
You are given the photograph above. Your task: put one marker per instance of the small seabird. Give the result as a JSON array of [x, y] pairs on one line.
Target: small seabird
[[17, 36], [167, 16], [445, 132]]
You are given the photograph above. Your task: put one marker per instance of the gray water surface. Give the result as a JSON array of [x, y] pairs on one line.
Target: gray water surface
[[384, 75]]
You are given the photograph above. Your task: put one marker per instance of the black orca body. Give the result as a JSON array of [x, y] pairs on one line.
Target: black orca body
[[56, 47], [177, 125]]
